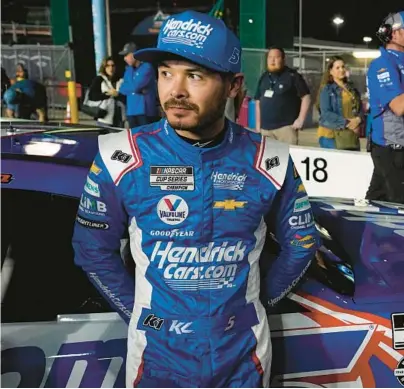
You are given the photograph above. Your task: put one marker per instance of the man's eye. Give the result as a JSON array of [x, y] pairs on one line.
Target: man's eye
[[195, 76], [165, 73]]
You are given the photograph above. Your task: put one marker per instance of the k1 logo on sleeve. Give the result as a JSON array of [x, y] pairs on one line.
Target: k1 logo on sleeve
[[120, 156]]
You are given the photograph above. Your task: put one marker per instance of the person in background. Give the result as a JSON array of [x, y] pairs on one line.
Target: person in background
[[340, 107], [105, 89], [25, 98], [5, 81], [282, 100], [386, 95], [139, 87]]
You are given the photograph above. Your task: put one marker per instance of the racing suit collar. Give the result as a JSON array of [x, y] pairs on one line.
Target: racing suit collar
[[212, 153]]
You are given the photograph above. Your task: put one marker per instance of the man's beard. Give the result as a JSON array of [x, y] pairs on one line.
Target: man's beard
[[275, 68], [214, 112]]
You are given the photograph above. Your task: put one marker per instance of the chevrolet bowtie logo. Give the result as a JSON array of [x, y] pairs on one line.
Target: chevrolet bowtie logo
[[229, 205]]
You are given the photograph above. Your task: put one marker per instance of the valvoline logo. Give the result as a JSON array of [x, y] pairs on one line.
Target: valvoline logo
[[172, 209]]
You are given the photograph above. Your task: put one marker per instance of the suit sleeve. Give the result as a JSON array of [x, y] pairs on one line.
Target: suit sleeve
[[384, 81], [291, 219], [101, 223], [330, 119]]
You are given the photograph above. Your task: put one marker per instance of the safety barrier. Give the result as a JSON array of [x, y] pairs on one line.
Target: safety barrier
[[333, 173]]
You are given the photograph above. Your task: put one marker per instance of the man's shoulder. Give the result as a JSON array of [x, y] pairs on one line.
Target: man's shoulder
[[378, 66], [272, 160], [147, 65], [120, 151], [271, 156]]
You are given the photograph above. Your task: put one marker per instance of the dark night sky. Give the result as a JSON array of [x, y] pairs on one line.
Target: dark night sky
[[361, 18]]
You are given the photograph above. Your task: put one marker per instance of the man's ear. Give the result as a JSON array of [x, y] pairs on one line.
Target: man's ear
[[236, 85]]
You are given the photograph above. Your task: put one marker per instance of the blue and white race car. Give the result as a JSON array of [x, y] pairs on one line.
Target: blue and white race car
[[342, 327]]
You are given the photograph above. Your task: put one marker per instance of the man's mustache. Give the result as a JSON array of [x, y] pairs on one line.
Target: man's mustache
[[173, 103]]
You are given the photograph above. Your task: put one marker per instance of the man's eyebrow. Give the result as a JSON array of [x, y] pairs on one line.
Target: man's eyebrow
[[189, 70], [164, 64]]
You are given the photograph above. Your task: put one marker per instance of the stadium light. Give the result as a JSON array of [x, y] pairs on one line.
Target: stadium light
[[370, 54], [338, 21], [367, 39]]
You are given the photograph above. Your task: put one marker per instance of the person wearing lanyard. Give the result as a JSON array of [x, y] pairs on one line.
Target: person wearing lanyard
[[282, 100], [386, 96]]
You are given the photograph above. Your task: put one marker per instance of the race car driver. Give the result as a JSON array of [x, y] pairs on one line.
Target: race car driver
[[198, 196]]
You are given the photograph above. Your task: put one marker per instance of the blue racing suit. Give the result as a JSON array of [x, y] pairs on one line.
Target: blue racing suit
[[197, 220]]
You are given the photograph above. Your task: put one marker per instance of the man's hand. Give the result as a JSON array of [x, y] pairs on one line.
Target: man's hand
[[298, 124]]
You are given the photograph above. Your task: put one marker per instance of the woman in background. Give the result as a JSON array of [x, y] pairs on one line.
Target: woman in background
[[105, 91], [340, 108]]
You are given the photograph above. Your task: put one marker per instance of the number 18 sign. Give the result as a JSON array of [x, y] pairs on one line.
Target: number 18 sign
[[333, 173]]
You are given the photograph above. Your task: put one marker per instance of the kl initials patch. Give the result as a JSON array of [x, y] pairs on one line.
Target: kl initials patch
[[121, 156]]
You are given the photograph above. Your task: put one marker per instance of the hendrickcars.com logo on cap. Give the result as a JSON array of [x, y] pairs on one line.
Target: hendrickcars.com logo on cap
[[187, 32]]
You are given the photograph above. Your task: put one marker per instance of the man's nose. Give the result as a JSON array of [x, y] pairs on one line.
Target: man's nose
[[179, 89]]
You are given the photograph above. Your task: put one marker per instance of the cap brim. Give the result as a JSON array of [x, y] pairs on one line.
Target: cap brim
[[155, 56], [123, 52]]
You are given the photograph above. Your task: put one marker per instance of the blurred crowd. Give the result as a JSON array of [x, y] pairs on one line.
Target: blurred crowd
[[23, 97]]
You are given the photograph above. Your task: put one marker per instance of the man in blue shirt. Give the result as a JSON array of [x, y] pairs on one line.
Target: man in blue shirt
[[386, 94], [282, 100], [139, 87]]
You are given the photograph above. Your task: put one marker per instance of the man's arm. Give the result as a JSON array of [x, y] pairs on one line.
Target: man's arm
[[101, 223], [257, 115], [304, 110], [397, 105], [134, 84], [303, 92], [384, 82], [292, 222], [257, 98]]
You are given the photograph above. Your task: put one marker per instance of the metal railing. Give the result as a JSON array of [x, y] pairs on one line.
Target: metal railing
[[15, 29]]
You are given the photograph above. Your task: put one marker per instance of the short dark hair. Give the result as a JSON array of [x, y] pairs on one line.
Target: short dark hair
[[277, 48]]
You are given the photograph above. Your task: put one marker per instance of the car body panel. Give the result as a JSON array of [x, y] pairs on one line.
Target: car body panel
[[321, 337]]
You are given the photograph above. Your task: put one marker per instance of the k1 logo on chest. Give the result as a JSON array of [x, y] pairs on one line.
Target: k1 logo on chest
[[172, 177]]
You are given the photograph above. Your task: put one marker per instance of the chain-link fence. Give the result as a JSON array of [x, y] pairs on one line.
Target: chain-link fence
[[45, 64]]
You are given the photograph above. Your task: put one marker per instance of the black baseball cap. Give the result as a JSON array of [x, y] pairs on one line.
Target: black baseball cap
[[129, 47]]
